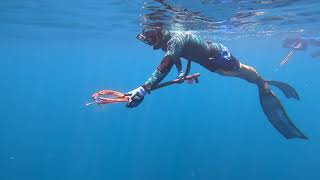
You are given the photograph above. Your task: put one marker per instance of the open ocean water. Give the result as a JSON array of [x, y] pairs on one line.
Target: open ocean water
[[55, 54]]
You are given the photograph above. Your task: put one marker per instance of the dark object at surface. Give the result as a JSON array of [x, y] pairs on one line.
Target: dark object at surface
[[297, 43]]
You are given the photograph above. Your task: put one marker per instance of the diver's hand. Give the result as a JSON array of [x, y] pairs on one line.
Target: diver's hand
[[137, 96], [181, 75]]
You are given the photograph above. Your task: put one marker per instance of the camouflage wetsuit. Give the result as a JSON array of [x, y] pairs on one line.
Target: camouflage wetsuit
[[212, 56]]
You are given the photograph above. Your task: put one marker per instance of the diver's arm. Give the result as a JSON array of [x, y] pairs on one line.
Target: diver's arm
[[178, 65], [160, 73], [137, 95], [174, 48]]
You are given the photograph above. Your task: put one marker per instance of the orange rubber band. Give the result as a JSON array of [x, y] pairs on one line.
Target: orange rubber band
[[114, 97]]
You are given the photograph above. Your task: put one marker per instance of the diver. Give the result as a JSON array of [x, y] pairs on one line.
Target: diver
[[298, 43], [215, 57]]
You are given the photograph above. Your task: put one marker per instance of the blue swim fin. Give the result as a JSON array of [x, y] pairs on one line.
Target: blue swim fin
[[277, 115]]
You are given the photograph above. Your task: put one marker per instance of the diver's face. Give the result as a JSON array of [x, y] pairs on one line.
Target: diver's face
[[149, 39]]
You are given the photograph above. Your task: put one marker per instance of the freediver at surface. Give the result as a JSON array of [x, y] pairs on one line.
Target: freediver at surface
[[302, 44], [215, 57], [297, 43]]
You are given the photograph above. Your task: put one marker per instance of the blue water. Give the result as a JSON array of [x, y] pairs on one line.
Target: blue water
[[54, 55]]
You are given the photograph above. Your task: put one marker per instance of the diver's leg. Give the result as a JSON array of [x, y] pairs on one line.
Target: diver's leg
[[251, 75], [247, 73], [270, 103]]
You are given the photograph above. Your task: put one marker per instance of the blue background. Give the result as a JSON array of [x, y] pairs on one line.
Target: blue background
[[212, 130]]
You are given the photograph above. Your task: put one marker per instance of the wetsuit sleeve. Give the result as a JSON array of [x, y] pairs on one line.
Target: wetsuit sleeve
[[160, 73], [172, 57]]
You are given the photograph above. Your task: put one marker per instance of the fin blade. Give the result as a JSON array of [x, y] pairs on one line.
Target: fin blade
[[287, 90], [278, 117]]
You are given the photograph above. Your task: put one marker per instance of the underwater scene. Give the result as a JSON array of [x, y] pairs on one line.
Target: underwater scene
[[159, 90]]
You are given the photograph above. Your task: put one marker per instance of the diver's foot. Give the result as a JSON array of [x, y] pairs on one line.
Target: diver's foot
[[264, 86]]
